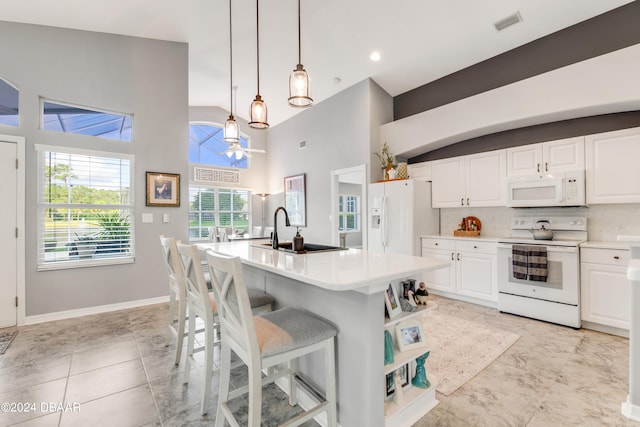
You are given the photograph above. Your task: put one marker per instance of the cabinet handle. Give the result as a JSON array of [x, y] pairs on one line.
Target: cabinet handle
[[458, 256], [546, 166], [436, 243], [475, 247], [462, 201], [467, 201], [451, 256], [616, 257], [538, 167]]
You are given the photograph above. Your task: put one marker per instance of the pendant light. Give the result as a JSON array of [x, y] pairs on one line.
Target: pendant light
[[299, 81], [231, 129], [258, 109]]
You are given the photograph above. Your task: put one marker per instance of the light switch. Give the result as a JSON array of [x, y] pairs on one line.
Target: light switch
[[166, 217], [147, 218]]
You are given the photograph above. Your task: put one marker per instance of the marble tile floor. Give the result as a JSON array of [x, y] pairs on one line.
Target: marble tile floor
[[113, 369]]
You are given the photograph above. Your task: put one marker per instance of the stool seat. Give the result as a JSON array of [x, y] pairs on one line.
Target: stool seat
[[288, 329]]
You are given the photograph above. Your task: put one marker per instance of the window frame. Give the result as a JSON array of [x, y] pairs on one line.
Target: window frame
[[41, 206], [247, 144], [216, 211], [13, 86], [342, 213]]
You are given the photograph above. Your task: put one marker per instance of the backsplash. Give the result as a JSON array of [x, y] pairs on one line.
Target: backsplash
[[605, 222]]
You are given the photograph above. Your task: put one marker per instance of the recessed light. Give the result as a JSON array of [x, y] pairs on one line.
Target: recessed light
[[375, 56]]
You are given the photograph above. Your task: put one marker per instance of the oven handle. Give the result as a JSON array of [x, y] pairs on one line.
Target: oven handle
[[564, 249]]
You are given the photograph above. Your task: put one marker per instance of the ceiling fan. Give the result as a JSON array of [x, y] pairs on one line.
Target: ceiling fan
[[238, 150]]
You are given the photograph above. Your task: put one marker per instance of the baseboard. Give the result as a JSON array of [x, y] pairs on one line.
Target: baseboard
[[606, 329], [471, 300], [69, 314], [630, 410]]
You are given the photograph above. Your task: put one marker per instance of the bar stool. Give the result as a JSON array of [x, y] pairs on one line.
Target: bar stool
[[177, 294], [261, 342], [202, 304]]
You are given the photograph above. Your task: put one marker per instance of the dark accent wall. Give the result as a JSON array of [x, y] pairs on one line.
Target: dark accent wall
[[534, 134], [613, 30]]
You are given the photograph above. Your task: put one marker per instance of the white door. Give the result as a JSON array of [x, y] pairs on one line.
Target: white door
[[524, 160], [8, 239], [475, 275], [563, 155], [485, 179]]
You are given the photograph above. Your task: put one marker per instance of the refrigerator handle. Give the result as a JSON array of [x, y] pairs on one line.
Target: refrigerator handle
[[383, 225]]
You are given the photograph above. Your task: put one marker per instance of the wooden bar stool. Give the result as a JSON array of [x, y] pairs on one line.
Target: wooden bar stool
[[264, 341], [202, 303]]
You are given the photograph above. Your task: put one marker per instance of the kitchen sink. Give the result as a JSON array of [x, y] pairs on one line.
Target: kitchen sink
[[308, 247]]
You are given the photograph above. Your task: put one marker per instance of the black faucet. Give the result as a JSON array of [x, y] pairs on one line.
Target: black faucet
[[274, 243]]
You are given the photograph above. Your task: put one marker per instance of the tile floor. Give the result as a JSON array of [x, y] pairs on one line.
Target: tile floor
[[118, 372]]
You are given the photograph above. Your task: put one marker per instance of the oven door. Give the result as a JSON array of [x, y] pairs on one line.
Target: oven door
[[562, 285]]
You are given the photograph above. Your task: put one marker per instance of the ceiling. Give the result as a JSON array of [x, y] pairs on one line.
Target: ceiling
[[419, 40]]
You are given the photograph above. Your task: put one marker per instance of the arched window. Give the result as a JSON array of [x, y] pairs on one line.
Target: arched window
[[8, 104], [207, 147]]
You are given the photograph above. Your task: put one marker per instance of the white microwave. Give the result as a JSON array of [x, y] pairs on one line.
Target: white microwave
[[554, 189]]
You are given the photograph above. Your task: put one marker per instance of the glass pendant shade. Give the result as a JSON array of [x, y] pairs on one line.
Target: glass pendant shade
[[231, 130], [300, 88], [258, 114]]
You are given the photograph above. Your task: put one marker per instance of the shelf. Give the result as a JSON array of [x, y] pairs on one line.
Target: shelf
[[407, 314], [402, 358], [415, 403]]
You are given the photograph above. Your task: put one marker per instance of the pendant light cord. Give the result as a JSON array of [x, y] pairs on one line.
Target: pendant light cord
[[258, 43], [299, 48], [230, 63]]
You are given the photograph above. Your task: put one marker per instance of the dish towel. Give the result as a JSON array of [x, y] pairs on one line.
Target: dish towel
[[519, 260], [537, 264]]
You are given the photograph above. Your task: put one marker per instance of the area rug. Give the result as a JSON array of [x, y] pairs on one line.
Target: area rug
[[6, 338], [460, 349]]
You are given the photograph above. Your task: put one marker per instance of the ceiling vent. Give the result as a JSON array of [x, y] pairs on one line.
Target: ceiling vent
[[222, 176], [508, 21]]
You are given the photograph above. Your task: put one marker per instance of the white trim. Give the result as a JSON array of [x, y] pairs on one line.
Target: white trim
[[630, 410], [68, 314], [333, 219], [305, 399], [20, 223], [82, 151]]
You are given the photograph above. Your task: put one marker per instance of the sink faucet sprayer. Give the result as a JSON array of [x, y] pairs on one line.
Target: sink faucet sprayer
[[274, 243]]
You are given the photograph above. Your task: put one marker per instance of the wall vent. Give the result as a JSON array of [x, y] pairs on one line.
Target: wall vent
[[216, 175], [508, 21]]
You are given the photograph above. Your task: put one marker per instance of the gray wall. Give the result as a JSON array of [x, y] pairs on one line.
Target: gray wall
[[338, 132], [147, 78]]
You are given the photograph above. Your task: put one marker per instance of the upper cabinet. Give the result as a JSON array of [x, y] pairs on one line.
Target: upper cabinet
[[612, 174], [553, 156], [475, 180], [420, 171]]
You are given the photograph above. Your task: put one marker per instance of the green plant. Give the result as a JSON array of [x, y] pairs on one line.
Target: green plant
[[114, 233], [386, 158]]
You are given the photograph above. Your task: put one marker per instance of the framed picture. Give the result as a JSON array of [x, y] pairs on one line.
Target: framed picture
[[403, 373], [163, 189], [391, 302], [409, 335], [295, 199]]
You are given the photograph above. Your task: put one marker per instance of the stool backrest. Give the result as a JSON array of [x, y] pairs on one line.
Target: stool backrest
[[195, 283], [172, 262], [234, 308]]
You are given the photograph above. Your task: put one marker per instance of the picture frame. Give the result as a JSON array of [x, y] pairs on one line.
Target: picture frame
[[295, 199], [391, 302], [403, 371], [163, 189], [409, 335]]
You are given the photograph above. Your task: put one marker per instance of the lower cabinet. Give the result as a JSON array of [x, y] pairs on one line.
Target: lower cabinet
[[405, 403], [472, 272], [604, 287]]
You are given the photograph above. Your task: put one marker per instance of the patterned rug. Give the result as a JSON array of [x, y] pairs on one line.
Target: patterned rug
[[6, 338], [460, 349]]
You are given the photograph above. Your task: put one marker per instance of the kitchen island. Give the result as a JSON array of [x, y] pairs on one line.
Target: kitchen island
[[347, 288]]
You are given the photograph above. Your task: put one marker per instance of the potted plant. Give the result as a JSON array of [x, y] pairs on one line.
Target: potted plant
[[114, 236], [387, 161]]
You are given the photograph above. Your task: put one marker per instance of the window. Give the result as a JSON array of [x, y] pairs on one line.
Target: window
[[8, 104], [85, 208], [209, 207], [348, 212], [72, 119], [206, 146]]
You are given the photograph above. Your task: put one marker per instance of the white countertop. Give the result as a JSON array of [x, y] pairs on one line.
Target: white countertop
[[346, 270]]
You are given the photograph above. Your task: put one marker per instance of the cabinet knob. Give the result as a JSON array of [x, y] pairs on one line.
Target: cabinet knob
[[546, 166], [436, 243], [467, 201], [616, 257], [475, 247], [462, 201], [538, 167]]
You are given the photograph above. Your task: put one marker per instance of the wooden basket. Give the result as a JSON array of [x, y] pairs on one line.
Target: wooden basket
[[466, 233]]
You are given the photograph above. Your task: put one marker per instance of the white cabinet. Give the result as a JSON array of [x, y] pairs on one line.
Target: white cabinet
[[415, 402], [553, 156], [604, 287], [613, 174], [420, 171], [475, 180], [472, 274]]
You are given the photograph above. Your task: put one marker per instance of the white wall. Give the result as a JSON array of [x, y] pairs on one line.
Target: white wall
[[147, 78], [338, 133]]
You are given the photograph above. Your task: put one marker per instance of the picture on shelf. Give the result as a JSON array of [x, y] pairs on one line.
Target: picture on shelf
[[391, 302], [403, 371], [409, 335]]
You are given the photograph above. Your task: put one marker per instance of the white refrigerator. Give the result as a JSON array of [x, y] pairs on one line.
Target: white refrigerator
[[399, 213]]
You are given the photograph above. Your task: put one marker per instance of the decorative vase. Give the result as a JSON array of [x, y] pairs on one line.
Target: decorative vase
[[402, 171], [386, 172], [420, 379]]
